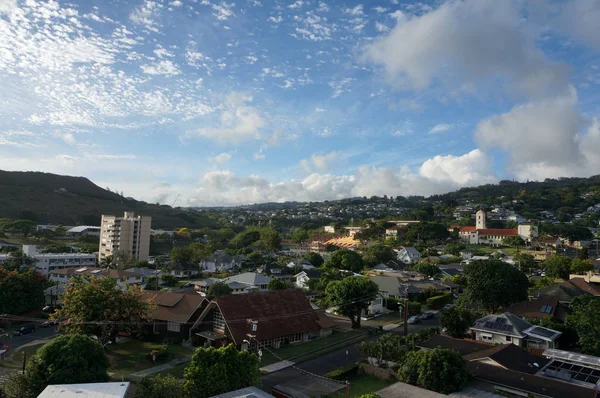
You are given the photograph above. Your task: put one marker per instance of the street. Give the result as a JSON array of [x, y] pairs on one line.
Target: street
[[335, 359]]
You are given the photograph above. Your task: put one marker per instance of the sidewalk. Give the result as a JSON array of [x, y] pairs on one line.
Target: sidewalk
[[274, 367], [160, 368]]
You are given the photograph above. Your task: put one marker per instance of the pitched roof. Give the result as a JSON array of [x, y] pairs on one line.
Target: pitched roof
[[463, 228], [580, 283], [174, 307], [279, 313], [526, 382], [511, 357], [564, 292], [249, 278], [498, 231], [462, 346], [99, 272], [411, 251], [533, 308], [506, 324], [389, 284]]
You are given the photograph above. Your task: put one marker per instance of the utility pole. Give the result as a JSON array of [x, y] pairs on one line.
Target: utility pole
[[156, 273], [406, 310], [24, 361]]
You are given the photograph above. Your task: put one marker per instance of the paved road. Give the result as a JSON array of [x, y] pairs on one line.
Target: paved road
[[17, 341], [335, 359]]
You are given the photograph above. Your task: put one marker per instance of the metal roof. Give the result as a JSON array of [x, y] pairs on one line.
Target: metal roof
[[82, 228], [89, 390], [572, 357]]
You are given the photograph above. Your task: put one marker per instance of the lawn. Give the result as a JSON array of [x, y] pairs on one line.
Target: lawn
[[16, 358], [384, 319], [131, 356], [291, 351], [365, 384], [177, 371]]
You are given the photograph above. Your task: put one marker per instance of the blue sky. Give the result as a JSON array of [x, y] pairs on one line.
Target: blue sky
[[251, 101]]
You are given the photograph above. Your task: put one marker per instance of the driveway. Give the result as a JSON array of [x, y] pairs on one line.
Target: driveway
[[335, 359]]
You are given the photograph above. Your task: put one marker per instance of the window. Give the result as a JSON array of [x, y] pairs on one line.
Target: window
[[173, 326], [294, 338], [508, 338], [486, 337], [218, 321]]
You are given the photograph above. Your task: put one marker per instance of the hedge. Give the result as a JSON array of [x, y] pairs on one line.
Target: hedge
[[437, 302], [343, 373]]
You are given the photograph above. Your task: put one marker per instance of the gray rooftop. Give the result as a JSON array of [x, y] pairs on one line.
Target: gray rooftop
[[248, 392], [82, 228], [248, 278], [507, 324]]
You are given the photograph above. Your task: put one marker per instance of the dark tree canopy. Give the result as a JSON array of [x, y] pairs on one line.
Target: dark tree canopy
[[218, 289], [345, 259], [314, 258], [351, 296], [21, 291], [215, 371], [457, 321], [440, 370], [558, 267], [378, 253], [492, 284], [161, 386], [276, 284], [584, 320], [67, 359]]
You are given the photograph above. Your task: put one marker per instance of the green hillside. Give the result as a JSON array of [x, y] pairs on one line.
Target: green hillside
[[54, 199]]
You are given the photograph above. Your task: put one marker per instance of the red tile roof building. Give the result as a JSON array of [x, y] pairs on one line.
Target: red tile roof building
[[480, 234]]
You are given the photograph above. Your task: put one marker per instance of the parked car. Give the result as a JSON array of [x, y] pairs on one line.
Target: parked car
[[448, 306], [413, 319], [48, 309], [49, 324], [24, 330], [427, 315]]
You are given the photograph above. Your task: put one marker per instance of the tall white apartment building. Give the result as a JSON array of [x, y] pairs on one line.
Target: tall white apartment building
[[129, 234]]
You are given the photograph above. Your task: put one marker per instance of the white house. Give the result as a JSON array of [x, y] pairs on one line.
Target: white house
[[124, 278], [303, 277], [220, 261], [408, 255], [329, 229], [508, 328], [248, 282]]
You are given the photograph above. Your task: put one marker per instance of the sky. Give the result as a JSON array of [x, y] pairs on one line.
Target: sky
[[230, 102]]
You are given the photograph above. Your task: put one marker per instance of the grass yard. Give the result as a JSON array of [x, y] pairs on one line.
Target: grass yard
[[383, 319], [177, 371], [15, 359], [131, 356], [365, 384], [292, 351]]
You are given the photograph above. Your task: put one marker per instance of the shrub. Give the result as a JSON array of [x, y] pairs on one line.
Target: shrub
[[437, 302], [343, 373]]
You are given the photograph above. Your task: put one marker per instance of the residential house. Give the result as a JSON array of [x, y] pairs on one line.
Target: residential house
[[278, 272], [124, 278], [540, 308], [174, 313], [273, 318], [304, 264], [44, 263], [83, 230], [466, 254], [393, 231], [248, 282], [303, 277], [587, 283], [564, 292], [509, 369], [147, 272], [221, 261], [450, 271], [507, 328], [408, 255], [185, 270], [87, 390]]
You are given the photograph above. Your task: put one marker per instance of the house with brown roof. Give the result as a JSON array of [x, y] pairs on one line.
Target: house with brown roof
[[273, 318], [539, 308], [174, 313]]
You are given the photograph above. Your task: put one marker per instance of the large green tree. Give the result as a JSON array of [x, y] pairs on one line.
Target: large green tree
[[351, 296], [161, 386], [378, 253], [558, 267], [22, 227], [581, 267], [585, 312], [21, 291], [67, 359], [99, 307], [18, 260], [492, 284], [218, 289], [457, 321], [515, 241], [314, 258], [525, 262], [346, 260], [440, 370], [276, 284], [215, 371]]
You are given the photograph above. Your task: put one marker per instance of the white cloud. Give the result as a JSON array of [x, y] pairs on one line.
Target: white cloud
[[381, 27], [162, 52], [380, 9], [221, 158], [320, 110], [223, 11], [147, 14], [296, 4], [321, 162], [163, 67], [340, 86], [7, 6], [176, 3], [581, 20], [277, 19], [463, 43], [66, 137], [436, 175], [238, 122], [439, 128], [358, 10], [251, 59]]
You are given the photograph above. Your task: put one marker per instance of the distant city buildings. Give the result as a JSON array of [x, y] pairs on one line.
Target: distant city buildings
[[129, 235], [48, 262]]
